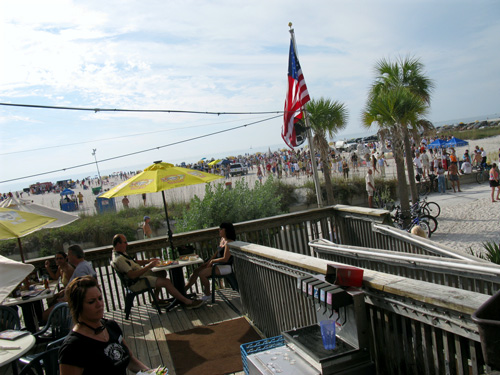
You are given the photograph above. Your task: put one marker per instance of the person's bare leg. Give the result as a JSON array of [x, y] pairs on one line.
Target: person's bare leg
[[167, 284], [204, 275], [194, 277]]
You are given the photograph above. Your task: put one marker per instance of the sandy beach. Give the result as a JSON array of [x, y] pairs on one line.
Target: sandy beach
[[467, 219]]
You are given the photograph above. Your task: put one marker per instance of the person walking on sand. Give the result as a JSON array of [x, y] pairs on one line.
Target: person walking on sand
[[146, 227], [125, 201], [494, 183], [370, 187], [144, 198], [441, 179], [382, 163], [453, 176]]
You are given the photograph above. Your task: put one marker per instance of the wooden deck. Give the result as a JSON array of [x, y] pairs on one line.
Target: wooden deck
[[145, 332]]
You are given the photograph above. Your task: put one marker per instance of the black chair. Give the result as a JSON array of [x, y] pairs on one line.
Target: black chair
[[51, 345], [58, 324], [9, 318], [230, 278], [45, 363], [130, 294]]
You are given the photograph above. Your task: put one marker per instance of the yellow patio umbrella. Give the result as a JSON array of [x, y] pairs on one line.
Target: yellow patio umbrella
[[160, 177], [16, 224], [214, 162]]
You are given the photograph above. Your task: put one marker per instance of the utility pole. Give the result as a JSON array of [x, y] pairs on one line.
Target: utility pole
[[97, 165]]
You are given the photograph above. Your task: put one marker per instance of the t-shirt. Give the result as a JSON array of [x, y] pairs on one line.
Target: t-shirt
[[369, 179], [96, 357], [417, 162], [83, 269]]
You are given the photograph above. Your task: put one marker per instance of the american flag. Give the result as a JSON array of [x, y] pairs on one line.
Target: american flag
[[296, 97]]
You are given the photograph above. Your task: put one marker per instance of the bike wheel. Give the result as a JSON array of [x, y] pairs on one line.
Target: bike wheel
[[423, 189], [480, 177], [432, 209], [431, 222], [425, 228]]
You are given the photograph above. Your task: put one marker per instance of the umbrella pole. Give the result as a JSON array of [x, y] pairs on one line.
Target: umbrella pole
[[21, 249], [169, 231]]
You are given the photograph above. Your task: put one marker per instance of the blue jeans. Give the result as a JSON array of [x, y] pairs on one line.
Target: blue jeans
[[441, 184]]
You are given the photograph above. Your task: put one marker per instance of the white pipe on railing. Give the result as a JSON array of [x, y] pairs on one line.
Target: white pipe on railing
[[421, 242], [492, 270]]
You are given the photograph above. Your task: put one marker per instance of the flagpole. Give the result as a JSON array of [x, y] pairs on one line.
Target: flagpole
[[309, 138]]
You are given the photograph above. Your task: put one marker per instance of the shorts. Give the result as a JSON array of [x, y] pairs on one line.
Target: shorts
[[225, 269], [494, 183], [419, 170], [141, 283], [453, 177], [370, 193]]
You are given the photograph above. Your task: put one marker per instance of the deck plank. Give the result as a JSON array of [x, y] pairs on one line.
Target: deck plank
[[145, 332]]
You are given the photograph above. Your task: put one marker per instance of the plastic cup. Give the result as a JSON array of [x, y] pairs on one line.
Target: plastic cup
[[328, 333]]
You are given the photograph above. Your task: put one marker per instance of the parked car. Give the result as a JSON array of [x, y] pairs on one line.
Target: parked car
[[237, 169]]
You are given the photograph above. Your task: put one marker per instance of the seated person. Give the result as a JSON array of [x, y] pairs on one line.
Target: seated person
[[95, 345], [64, 269], [76, 257], [466, 167], [138, 270], [227, 234]]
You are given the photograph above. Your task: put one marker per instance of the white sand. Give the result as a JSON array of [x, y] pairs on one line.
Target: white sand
[[467, 219]]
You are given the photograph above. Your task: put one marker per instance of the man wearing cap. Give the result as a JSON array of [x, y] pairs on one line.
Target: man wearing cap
[[136, 271], [146, 228]]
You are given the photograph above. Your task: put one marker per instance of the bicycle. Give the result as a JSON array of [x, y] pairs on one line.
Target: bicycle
[[483, 173], [430, 208], [424, 187], [422, 211], [399, 218]]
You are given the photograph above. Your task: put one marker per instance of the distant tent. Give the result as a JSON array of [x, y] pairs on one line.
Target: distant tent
[[455, 142], [438, 143]]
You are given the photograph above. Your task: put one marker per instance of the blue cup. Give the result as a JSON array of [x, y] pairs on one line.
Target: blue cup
[[328, 333]]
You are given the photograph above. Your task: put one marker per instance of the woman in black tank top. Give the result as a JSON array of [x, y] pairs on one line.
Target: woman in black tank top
[[222, 255]]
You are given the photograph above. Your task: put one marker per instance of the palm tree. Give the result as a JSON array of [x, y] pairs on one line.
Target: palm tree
[[389, 110], [405, 72], [326, 118]]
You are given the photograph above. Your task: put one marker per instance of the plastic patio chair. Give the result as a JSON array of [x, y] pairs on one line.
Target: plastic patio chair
[[230, 278], [130, 294], [51, 345], [9, 318], [58, 324], [43, 364]]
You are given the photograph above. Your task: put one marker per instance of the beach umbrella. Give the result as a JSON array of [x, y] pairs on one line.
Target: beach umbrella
[[27, 205], [12, 274], [438, 143], [16, 224], [455, 142], [160, 177], [226, 162], [66, 192], [212, 163]]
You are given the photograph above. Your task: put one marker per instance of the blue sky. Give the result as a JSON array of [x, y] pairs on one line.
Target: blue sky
[[222, 56]]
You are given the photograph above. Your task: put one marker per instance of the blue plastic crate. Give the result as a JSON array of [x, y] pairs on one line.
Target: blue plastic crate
[[259, 346]]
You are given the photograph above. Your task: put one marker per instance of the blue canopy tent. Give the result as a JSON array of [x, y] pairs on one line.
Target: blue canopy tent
[[455, 142], [66, 192], [438, 143], [67, 204]]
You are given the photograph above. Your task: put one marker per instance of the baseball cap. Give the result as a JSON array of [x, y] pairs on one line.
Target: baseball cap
[[146, 217]]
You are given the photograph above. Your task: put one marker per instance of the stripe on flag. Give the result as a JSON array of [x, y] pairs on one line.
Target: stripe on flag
[[296, 97]]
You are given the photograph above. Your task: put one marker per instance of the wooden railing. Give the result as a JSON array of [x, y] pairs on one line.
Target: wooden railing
[[415, 327], [474, 275], [348, 225]]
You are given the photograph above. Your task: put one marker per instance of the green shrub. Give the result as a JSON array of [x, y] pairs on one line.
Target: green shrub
[[232, 205]]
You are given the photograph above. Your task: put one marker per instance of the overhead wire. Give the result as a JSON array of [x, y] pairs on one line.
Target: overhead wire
[[113, 138], [137, 110], [141, 151]]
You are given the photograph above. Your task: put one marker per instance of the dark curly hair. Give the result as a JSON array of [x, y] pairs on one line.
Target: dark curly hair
[[230, 231]]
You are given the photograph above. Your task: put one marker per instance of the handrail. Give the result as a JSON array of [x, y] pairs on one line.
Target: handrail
[[414, 259], [422, 242]]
